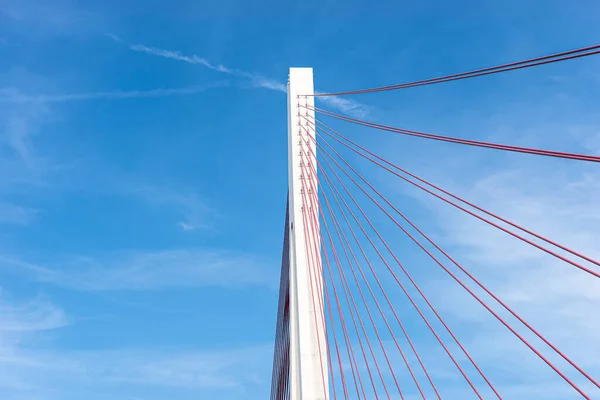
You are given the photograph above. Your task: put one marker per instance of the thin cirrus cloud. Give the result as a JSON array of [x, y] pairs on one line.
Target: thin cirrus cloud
[[559, 205], [194, 211], [14, 96], [24, 114], [111, 373], [20, 324], [31, 366], [345, 105], [557, 200], [151, 270], [35, 315], [15, 214]]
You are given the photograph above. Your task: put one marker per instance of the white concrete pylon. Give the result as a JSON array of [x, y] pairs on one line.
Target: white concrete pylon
[[309, 375]]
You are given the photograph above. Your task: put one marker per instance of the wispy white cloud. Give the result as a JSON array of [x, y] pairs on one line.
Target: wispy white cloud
[[20, 324], [131, 373], [14, 96], [347, 106], [38, 314], [42, 18], [25, 164], [19, 125], [114, 37], [590, 136], [15, 214], [176, 55], [24, 161], [195, 213], [559, 204], [184, 369], [33, 367], [22, 117], [152, 270], [555, 198], [556, 298], [186, 227], [257, 80]]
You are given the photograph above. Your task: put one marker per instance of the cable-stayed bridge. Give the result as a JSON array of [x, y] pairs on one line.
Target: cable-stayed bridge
[[350, 309]]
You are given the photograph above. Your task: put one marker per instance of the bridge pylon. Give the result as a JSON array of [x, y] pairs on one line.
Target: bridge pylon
[[300, 369]]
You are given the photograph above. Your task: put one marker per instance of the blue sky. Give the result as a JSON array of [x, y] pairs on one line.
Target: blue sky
[[143, 184]]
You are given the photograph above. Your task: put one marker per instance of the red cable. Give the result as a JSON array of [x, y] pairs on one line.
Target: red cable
[[590, 271], [312, 262], [319, 294], [579, 369], [400, 283], [353, 364], [371, 317], [563, 56], [311, 271], [313, 298], [344, 281], [358, 333], [352, 306], [496, 146], [358, 336], [405, 272], [313, 256], [482, 302], [337, 350], [349, 347], [351, 358], [463, 200], [338, 227], [312, 274]]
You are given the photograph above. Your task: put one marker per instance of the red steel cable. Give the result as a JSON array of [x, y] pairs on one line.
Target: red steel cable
[[312, 263], [505, 306], [349, 348], [450, 139], [573, 263], [312, 273], [338, 226], [347, 339], [350, 351], [337, 351], [380, 341], [562, 375], [372, 320], [319, 294], [358, 332], [352, 306], [405, 272], [313, 230], [345, 281], [358, 336], [406, 292], [563, 56], [484, 304], [575, 253], [398, 281], [342, 375], [313, 285]]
